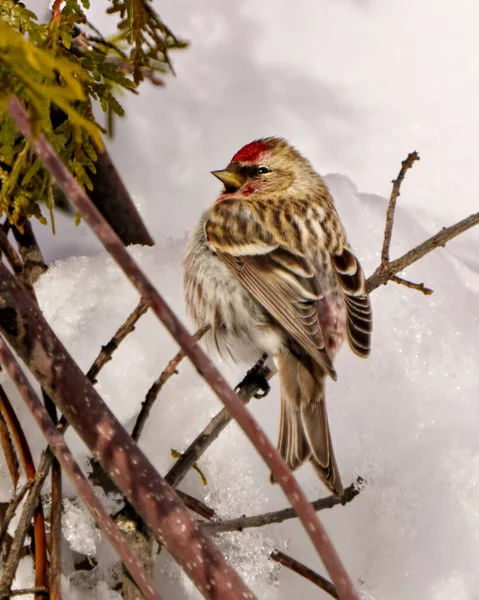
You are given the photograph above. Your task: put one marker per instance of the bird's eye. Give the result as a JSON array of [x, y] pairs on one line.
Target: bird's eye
[[262, 170]]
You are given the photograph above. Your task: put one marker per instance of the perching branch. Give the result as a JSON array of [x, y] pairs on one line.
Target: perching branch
[[59, 448], [268, 452], [278, 516], [155, 389], [211, 432], [304, 571]]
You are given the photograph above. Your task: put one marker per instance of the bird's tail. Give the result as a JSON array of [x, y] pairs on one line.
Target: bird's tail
[[304, 429]]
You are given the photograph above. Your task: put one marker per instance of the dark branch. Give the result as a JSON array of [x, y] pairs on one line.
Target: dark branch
[[155, 389], [304, 571], [106, 351], [279, 516], [405, 165]]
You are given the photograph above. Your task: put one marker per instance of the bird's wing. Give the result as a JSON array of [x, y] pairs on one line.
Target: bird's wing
[[281, 279], [352, 282]]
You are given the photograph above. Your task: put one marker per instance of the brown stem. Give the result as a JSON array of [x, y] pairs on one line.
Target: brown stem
[[278, 516], [106, 351], [55, 578], [405, 165], [37, 511], [12, 508], [197, 506], [384, 273], [27, 331], [38, 591], [57, 443], [268, 452], [29, 508], [33, 262], [155, 389], [304, 571], [420, 287], [9, 451]]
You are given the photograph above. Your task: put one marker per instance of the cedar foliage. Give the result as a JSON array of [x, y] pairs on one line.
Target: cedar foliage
[[59, 70]]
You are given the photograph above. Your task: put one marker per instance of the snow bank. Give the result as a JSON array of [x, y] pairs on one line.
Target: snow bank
[[405, 420]]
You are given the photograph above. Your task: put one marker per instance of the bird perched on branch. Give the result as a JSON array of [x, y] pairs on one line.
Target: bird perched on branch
[[269, 266]]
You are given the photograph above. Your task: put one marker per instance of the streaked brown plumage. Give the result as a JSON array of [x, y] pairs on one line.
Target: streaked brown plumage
[[269, 267]]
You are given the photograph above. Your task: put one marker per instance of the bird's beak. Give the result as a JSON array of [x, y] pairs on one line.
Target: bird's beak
[[231, 180]]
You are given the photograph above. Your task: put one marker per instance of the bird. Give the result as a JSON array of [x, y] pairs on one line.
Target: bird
[[268, 268]]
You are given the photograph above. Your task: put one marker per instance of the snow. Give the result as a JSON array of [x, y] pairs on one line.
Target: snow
[[355, 85]]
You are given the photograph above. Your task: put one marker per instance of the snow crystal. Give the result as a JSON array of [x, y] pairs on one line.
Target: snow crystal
[[79, 528]]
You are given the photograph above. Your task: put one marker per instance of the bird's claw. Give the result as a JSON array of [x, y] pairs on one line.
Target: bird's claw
[[256, 376]]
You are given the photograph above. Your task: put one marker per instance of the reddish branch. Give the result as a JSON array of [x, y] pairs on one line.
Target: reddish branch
[[270, 455], [29, 468], [85, 491]]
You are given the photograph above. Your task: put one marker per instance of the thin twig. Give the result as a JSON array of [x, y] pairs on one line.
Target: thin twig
[[55, 575], [197, 506], [211, 374], [36, 510], [384, 273], [279, 516], [38, 591], [12, 508], [11, 459], [211, 432], [155, 389], [31, 505], [395, 192], [10, 253], [85, 491], [304, 571], [420, 287], [106, 351]]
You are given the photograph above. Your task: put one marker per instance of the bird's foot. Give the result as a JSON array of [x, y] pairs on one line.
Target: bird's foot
[[257, 377]]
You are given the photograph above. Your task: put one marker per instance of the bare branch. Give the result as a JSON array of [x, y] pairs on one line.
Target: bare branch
[[197, 506], [9, 452], [38, 591], [85, 491], [384, 273], [155, 389], [270, 455], [12, 508], [279, 516], [211, 432], [304, 571], [33, 262], [405, 165], [106, 351], [36, 510], [420, 287]]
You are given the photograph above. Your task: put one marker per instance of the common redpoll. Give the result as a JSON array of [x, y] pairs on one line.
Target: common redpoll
[[269, 267]]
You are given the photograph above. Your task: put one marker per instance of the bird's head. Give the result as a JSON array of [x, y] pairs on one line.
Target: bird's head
[[266, 166]]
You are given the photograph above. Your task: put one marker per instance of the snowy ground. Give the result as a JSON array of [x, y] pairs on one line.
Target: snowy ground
[[356, 85]]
